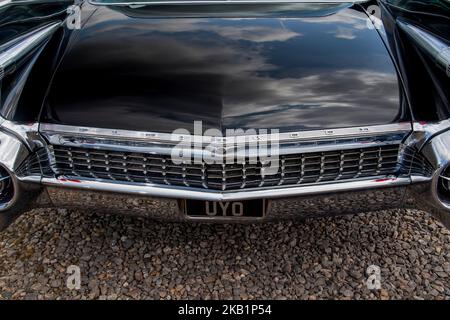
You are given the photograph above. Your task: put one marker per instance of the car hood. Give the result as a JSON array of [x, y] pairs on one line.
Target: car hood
[[162, 68]]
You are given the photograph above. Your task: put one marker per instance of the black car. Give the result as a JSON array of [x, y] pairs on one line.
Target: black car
[[238, 110]]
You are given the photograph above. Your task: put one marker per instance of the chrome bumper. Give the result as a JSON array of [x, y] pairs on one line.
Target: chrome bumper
[[379, 196], [170, 209], [287, 202]]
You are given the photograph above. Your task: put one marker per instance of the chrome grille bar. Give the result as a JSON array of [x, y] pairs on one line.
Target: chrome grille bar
[[294, 169]]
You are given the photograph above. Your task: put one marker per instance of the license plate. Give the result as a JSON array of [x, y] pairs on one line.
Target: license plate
[[225, 209]]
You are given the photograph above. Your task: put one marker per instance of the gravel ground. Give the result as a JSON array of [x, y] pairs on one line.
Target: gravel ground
[[129, 258]]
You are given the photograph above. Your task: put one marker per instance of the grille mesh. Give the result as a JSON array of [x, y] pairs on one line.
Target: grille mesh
[[295, 169]]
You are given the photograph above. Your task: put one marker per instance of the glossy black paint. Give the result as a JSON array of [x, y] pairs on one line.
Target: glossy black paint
[[20, 17], [427, 86], [35, 70], [132, 69], [433, 15]]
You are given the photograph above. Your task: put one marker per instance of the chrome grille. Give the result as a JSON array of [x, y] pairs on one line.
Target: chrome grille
[[295, 169], [37, 164], [414, 163]]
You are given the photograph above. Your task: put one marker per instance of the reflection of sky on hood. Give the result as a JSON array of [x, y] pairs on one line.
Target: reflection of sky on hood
[[265, 72], [312, 39], [331, 100]]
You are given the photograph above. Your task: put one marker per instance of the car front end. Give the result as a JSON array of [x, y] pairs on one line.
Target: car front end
[[216, 113]]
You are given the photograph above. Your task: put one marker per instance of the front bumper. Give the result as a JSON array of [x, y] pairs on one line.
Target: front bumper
[[170, 209], [395, 193], [46, 189]]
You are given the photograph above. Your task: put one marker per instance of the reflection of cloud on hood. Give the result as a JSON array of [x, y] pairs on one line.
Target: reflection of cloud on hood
[[170, 56], [345, 33], [247, 73], [256, 34], [351, 18], [345, 25], [238, 31], [189, 45], [331, 99]]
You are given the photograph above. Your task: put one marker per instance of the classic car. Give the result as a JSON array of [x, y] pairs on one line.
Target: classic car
[[224, 111]]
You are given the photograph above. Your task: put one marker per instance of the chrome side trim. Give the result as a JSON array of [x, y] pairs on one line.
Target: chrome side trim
[[187, 193], [431, 128], [429, 196], [26, 132], [288, 137], [424, 131], [437, 49], [208, 2], [437, 151], [17, 49], [5, 3], [12, 152]]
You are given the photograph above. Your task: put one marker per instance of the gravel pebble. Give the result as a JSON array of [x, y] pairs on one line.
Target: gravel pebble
[[134, 258]]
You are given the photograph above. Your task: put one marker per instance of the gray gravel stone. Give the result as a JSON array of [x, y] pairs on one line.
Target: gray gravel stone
[[134, 258]]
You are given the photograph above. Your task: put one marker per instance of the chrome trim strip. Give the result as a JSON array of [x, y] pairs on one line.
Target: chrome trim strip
[[50, 129], [12, 154], [26, 132], [431, 127], [213, 151], [432, 45], [420, 179], [209, 2], [12, 151], [18, 49], [437, 152], [424, 131], [5, 3], [188, 193]]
